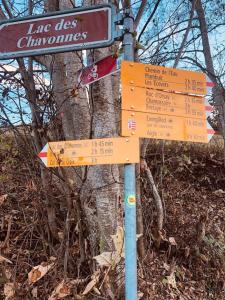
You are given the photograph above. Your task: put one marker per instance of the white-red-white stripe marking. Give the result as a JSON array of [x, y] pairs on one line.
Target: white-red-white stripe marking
[[209, 85], [209, 109], [43, 154]]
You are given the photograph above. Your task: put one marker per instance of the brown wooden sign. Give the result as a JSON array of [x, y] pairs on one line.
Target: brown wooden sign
[[64, 31]]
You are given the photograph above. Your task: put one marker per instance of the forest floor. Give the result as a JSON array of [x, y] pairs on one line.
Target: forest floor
[[189, 264]]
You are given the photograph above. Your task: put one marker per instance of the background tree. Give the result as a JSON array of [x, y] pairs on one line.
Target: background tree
[[82, 207]]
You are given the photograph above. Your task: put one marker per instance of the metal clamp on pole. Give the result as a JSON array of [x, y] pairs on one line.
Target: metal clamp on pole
[[118, 19], [118, 34], [129, 183]]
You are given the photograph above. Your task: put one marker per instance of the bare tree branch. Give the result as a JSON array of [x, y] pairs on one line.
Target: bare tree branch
[[140, 13], [185, 35], [149, 19], [2, 15], [5, 4]]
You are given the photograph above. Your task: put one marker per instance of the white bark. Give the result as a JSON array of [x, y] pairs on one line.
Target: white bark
[[99, 190], [101, 179]]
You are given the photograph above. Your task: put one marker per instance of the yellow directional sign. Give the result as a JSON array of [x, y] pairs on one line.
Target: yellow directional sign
[[161, 78], [91, 152], [161, 102], [158, 126]]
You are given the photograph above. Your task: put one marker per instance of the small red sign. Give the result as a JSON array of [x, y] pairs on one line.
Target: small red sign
[[59, 32], [98, 70]]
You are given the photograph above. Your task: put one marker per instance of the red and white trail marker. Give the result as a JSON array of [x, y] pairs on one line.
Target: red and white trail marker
[[98, 70], [209, 84], [208, 110], [43, 154]]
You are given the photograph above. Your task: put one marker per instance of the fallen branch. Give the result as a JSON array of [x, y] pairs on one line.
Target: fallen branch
[[155, 194], [6, 241]]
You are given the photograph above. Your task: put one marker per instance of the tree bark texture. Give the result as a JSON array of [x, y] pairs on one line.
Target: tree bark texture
[[102, 181], [93, 117], [218, 91]]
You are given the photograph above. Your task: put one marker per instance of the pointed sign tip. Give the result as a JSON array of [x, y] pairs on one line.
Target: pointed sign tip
[[42, 154]]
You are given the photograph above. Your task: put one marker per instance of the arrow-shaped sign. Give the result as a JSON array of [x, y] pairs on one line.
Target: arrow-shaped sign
[[163, 78], [91, 152]]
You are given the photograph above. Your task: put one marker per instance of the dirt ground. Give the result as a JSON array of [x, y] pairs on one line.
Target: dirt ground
[[188, 264]]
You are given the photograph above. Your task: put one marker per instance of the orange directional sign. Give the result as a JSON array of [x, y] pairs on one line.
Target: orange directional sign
[[160, 102], [91, 152], [158, 126], [161, 78]]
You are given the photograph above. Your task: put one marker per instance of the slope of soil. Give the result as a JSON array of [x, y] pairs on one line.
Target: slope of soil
[[188, 264]]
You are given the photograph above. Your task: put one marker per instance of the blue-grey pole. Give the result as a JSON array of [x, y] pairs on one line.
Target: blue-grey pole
[[129, 183]]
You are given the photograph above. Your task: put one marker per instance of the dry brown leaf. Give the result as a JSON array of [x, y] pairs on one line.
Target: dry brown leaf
[[74, 92], [171, 280], [219, 193], [9, 290], [8, 273], [166, 266], [4, 259], [118, 240], [187, 251], [61, 291], [138, 236], [107, 259], [64, 291], [38, 272], [203, 257], [119, 243], [3, 198], [71, 181], [34, 292], [96, 290], [140, 295], [61, 235], [92, 283], [52, 258], [172, 241], [35, 276]]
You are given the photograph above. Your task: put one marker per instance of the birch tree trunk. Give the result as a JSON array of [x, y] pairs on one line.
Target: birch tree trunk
[[82, 118], [102, 181]]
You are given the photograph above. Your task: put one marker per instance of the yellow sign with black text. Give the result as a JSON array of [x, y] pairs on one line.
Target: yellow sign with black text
[[162, 78], [119, 150], [161, 102], [158, 126]]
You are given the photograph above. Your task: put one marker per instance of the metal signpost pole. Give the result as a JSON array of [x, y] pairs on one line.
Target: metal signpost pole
[[130, 182]]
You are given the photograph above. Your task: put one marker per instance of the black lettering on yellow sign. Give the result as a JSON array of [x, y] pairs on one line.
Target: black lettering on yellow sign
[[94, 160], [161, 78], [116, 150]]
